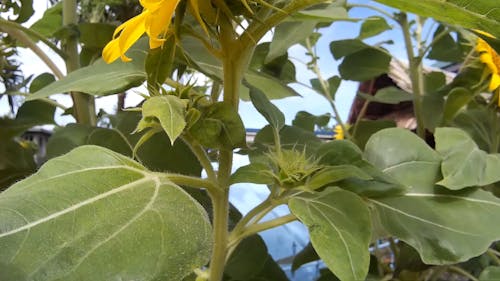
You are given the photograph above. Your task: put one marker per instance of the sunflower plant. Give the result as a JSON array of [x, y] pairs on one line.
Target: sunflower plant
[[143, 194]]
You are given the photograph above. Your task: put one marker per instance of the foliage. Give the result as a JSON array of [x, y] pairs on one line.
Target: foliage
[[143, 194]]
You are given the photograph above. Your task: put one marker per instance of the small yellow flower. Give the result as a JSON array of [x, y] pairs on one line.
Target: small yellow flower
[[154, 21], [490, 57], [339, 133]]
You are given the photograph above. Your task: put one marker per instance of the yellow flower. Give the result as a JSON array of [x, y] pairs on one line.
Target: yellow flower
[[339, 133], [154, 21], [490, 57]]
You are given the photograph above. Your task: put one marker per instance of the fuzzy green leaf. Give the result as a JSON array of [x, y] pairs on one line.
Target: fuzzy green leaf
[[169, 110], [444, 226], [340, 229], [94, 214], [480, 14], [464, 164]]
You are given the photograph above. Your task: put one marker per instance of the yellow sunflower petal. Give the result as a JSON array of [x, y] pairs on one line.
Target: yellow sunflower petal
[[495, 82], [487, 59], [111, 52], [131, 33], [484, 33], [157, 22], [153, 5], [482, 46]]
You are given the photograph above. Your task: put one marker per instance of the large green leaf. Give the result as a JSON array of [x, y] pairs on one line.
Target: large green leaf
[[442, 225], [464, 164], [340, 229], [101, 78], [480, 14], [403, 155], [95, 214]]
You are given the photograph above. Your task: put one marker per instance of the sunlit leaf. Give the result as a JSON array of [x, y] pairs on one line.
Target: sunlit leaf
[[444, 226], [340, 229], [169, 110], [464, 164], [480, 14], [95, 214]]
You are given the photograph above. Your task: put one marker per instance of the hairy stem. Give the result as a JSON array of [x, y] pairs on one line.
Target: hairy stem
[[201, 155], [191, 181], [256, 228], [416, 74], [325, 87], [220, 204], [83, 104]]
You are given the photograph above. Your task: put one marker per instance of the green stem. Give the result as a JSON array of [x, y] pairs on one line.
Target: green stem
[[256, 228], [192, 181], [201, 155], [33, 34], [363, 110], [83, 104], [416, 74], [220, 204], [494, 255], [462, 272], [26, 40], [235, 61], [250, 215], [362, 113], [325, 88]]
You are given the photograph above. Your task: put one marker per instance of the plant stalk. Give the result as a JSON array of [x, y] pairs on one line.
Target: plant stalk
[[26, 40], [416, 74], [220, 204], [83, 104]]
